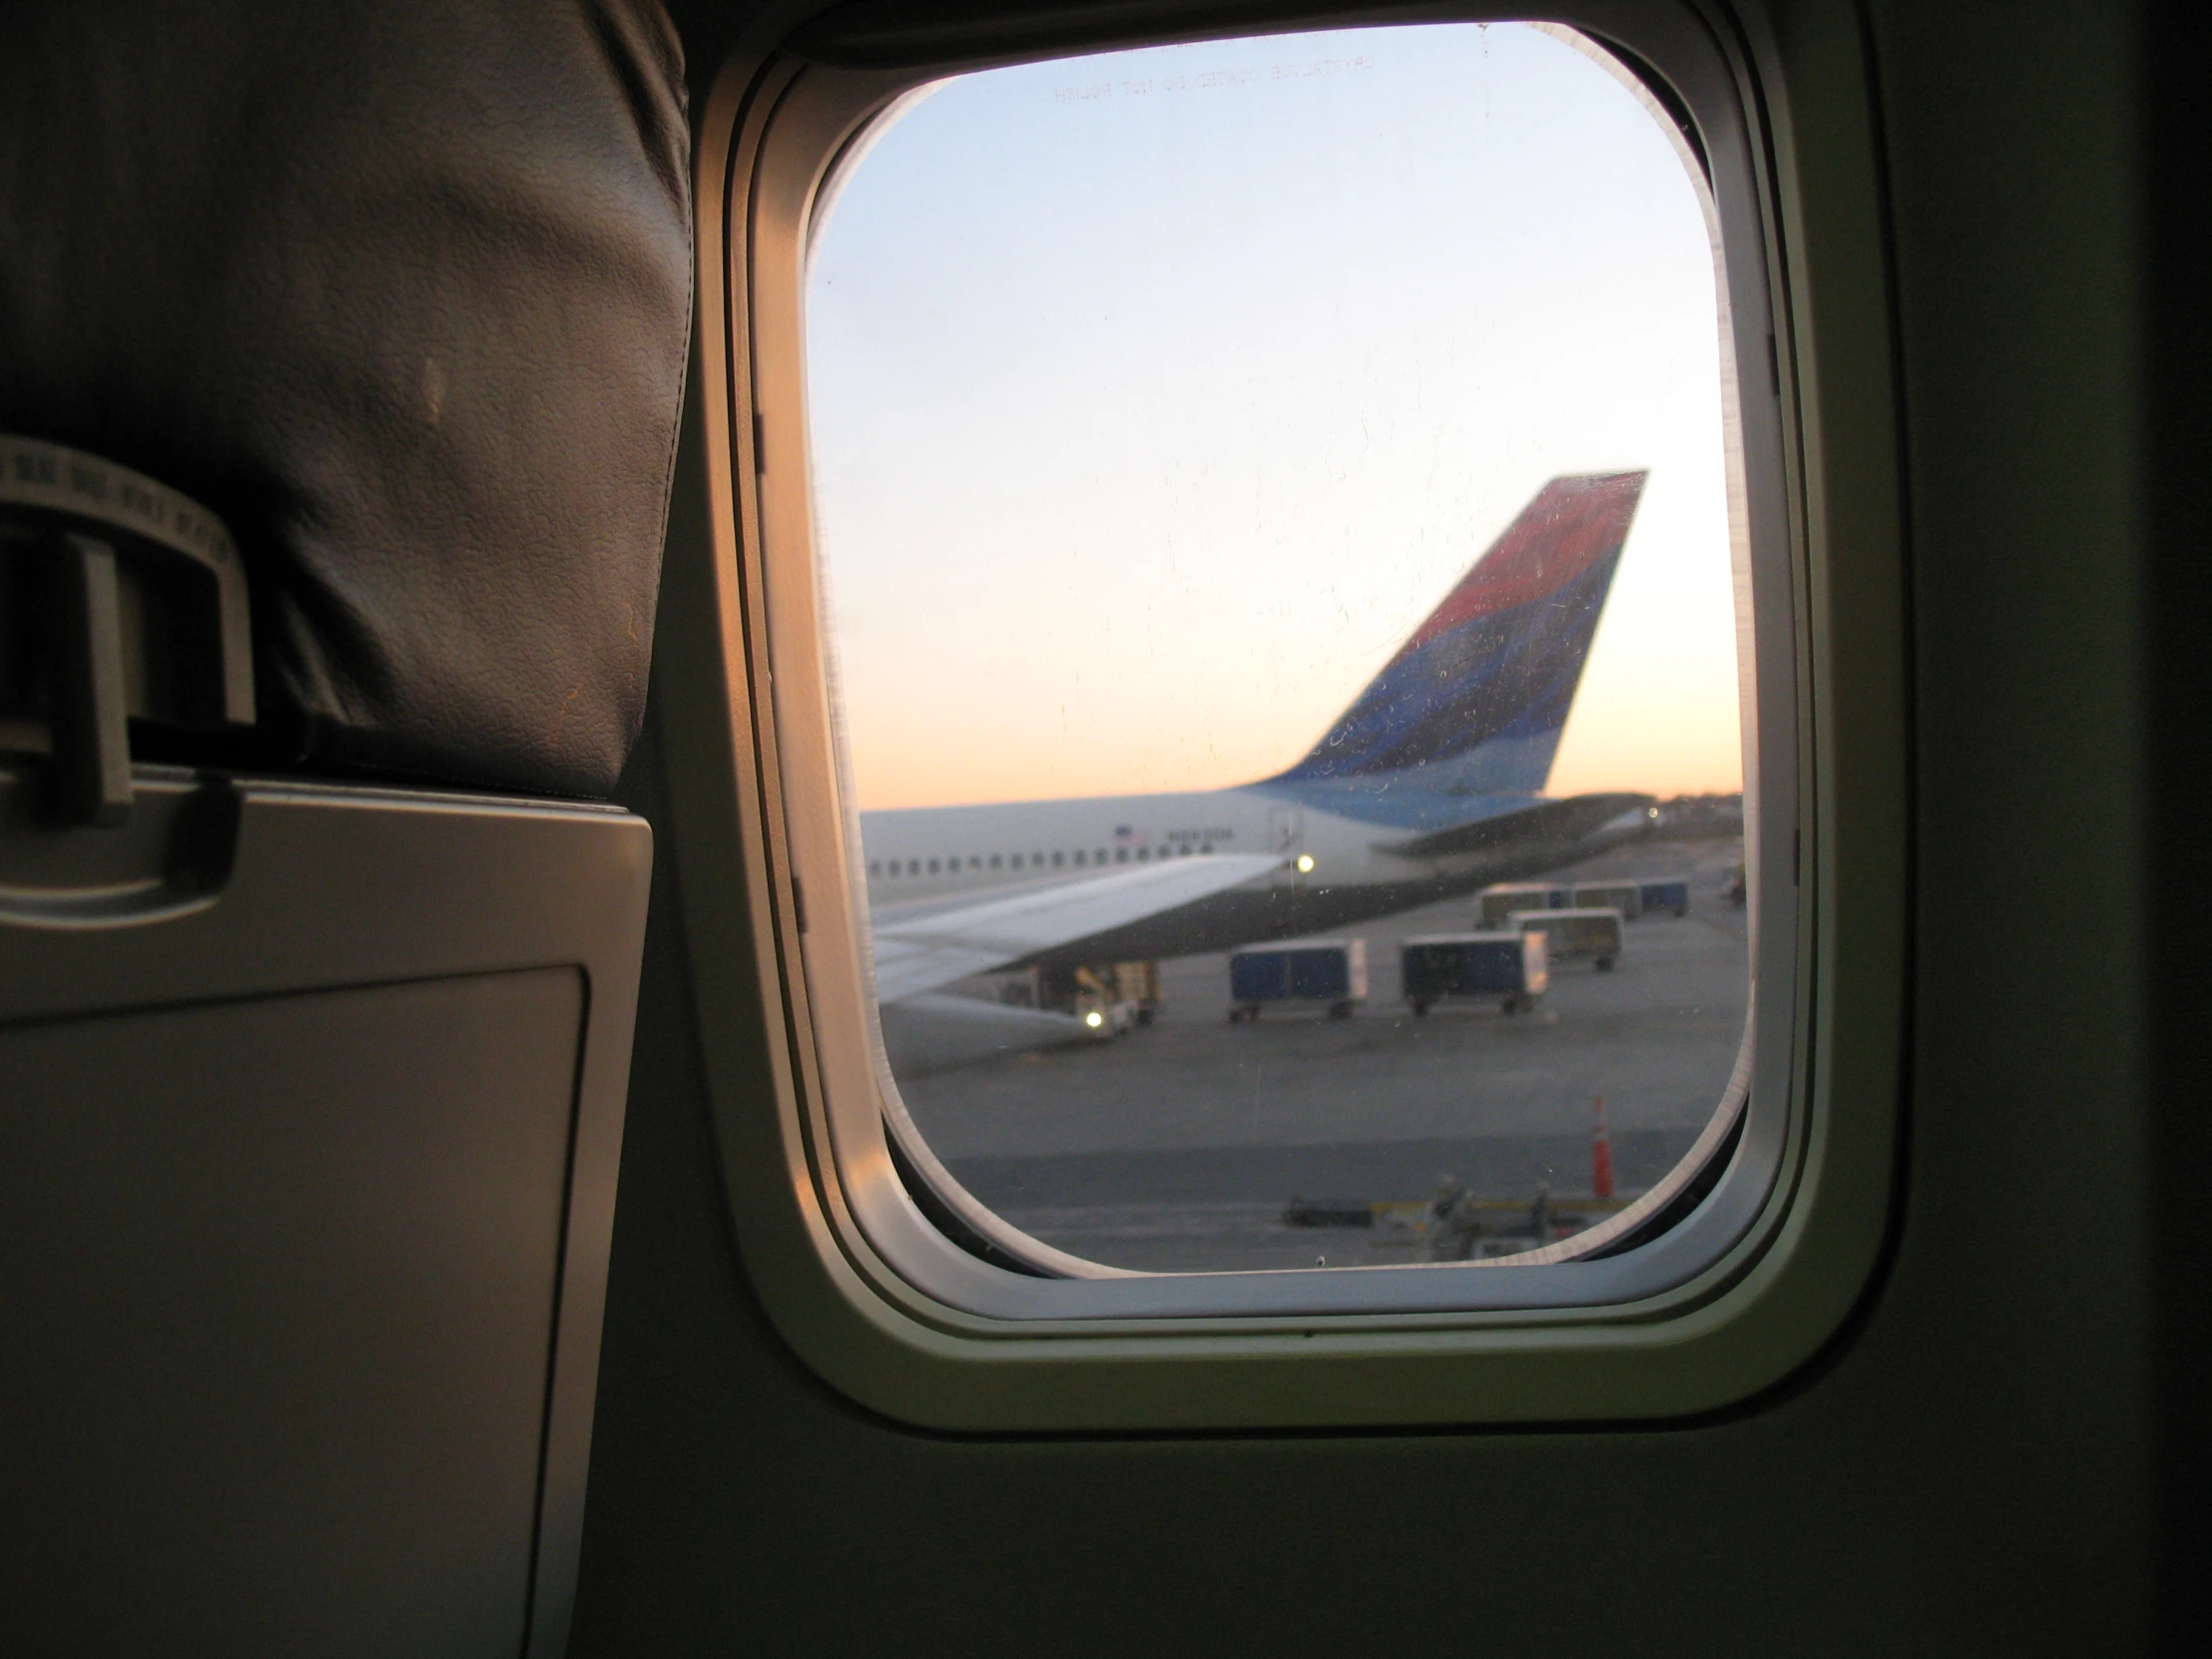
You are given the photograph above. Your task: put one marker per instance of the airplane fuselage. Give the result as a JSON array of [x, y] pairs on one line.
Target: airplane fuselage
[[1336, 869], [932, 851]]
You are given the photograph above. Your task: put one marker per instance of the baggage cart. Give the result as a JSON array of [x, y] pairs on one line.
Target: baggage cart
[[1495, 907], [1591, 933], [1514, 968], [1330, 974], [1624, 896], [1671, 896]]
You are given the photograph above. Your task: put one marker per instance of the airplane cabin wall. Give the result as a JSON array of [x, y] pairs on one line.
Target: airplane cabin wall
[[1970, 1468]]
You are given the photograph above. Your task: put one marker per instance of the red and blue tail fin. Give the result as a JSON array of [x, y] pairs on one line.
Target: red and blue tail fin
[[1478, 697]]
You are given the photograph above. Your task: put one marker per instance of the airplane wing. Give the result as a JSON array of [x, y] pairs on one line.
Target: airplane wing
[[920, 952]]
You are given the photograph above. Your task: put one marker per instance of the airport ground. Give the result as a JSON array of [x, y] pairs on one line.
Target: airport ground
[[1179, 1147]]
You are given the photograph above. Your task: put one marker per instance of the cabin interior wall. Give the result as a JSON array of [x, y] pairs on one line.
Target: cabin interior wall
[[1968, 1470], [2176, 427]]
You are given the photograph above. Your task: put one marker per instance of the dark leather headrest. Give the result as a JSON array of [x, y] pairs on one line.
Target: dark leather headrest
[[401, 290]]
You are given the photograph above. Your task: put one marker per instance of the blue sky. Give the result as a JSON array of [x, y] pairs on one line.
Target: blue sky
[[1155, 397]]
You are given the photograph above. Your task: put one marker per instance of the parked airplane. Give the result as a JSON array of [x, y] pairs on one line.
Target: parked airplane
[[1429, 784]]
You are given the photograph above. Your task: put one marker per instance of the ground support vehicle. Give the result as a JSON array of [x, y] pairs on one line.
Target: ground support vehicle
[[1105, 1015], [1107, 1000], [1513, 967], [1594, 932], [1665, 896], [1495, 907], [1137, 983], [1329, 972], [1624, 896], [1081, 991]]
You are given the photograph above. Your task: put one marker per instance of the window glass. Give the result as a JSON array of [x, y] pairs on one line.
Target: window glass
[[1296, 471]]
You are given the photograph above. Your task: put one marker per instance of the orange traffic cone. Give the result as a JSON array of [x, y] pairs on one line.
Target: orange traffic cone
[[1602, 1156]]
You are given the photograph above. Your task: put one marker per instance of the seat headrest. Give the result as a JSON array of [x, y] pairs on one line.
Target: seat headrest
[[401, 291]]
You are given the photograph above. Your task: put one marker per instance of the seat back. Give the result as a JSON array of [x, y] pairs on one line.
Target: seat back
[[344, 347]]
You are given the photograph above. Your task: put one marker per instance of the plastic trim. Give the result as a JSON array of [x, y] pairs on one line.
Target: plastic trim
[[1728, 1303]]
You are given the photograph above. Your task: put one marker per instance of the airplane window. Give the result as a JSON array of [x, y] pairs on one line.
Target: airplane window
[[1390, 370]]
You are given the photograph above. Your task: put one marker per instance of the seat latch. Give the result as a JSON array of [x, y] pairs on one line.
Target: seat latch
[[120, 600]]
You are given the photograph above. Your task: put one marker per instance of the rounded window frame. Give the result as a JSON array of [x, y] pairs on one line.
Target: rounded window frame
[[870, 1270]]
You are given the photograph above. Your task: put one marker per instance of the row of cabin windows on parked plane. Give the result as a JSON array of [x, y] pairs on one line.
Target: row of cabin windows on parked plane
[[881, 869]]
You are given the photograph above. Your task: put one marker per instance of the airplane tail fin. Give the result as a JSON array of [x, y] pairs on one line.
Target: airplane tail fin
[[1480, 692]]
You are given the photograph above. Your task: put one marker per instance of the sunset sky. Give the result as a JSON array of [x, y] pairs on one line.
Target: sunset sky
[[1155, 398]]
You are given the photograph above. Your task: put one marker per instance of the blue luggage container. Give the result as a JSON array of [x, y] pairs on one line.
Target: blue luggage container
[[1514, 968], [1665, 896], [1329, 972]]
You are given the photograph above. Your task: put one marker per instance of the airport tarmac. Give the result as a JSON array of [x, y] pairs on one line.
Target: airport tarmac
[[1178, 1147]]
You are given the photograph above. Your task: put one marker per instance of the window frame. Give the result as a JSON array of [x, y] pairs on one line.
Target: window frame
[[879, 1298]]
